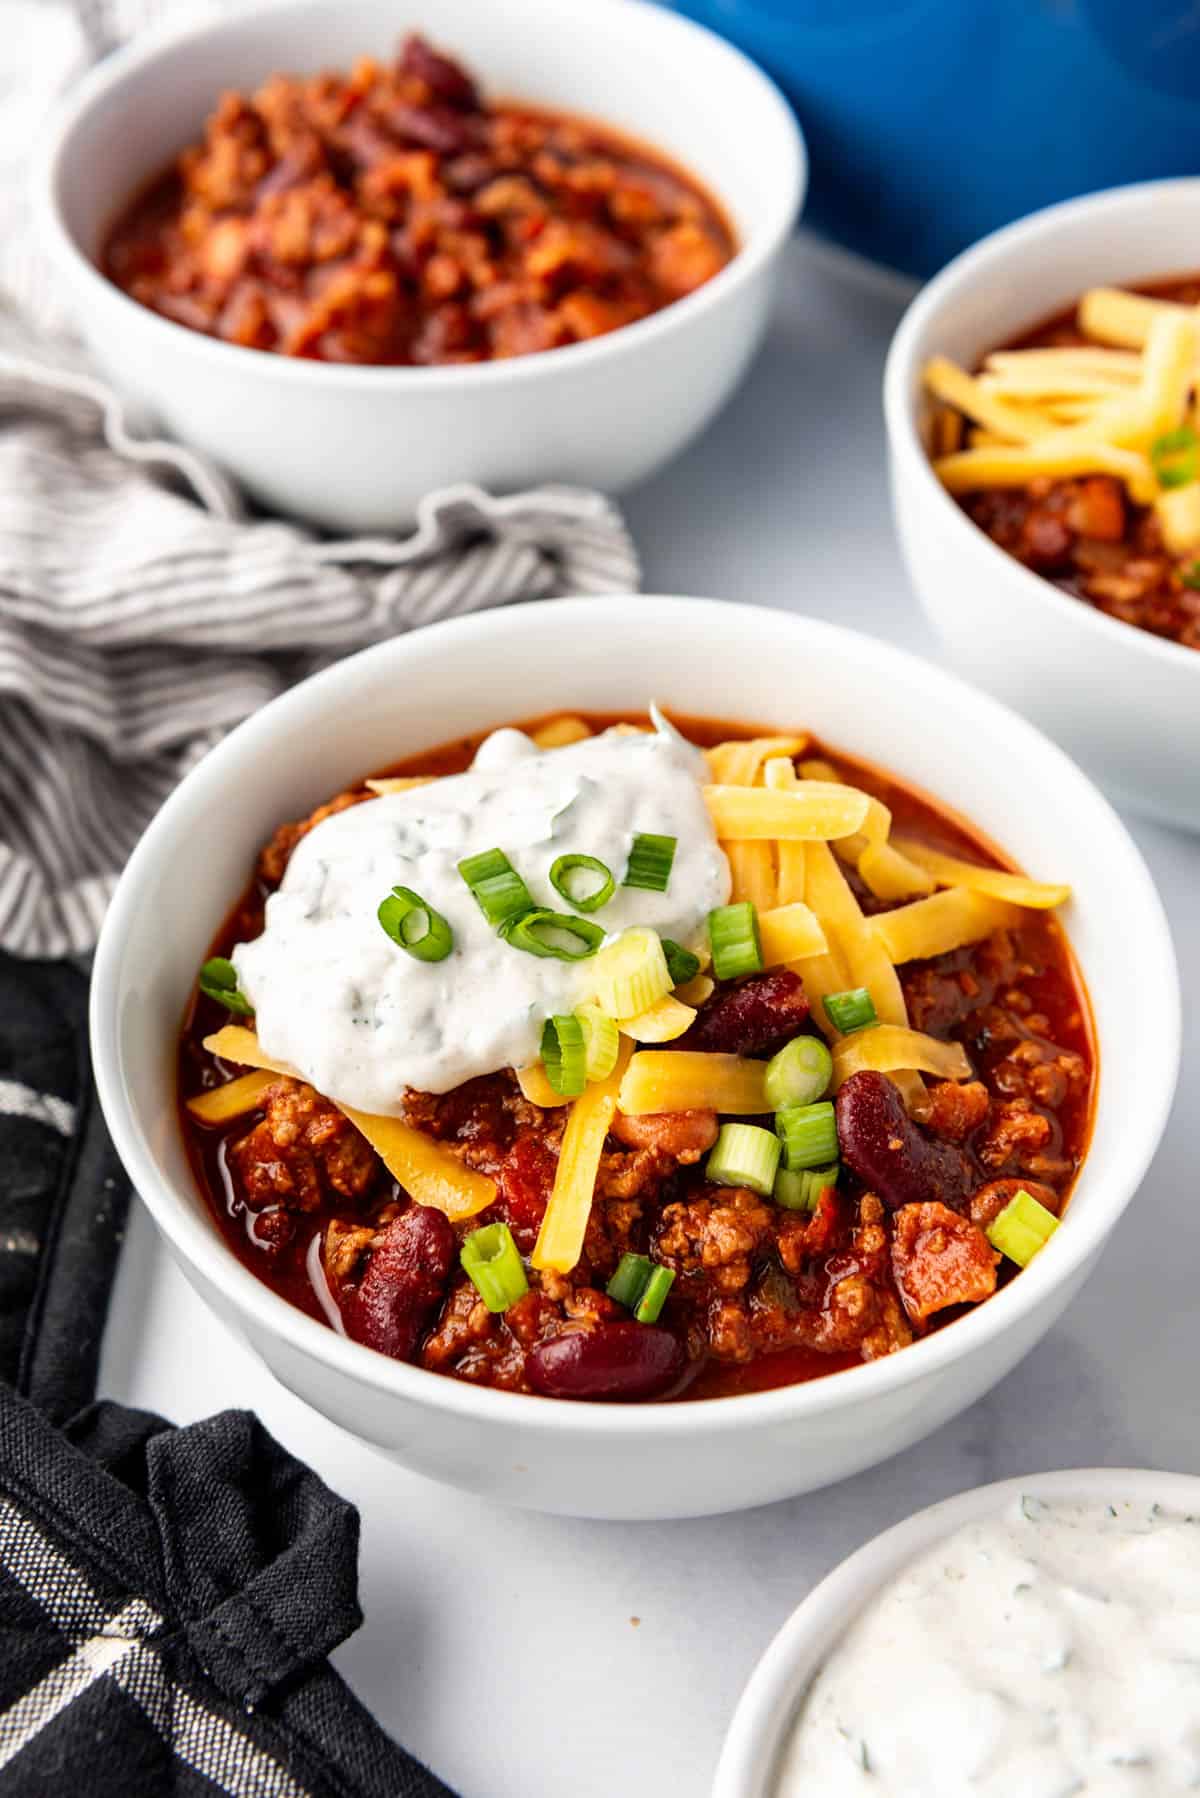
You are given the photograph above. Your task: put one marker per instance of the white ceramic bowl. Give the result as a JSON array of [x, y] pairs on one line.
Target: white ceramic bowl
[[770, 1701], [356, 448], [1126, 703], [694, 656]]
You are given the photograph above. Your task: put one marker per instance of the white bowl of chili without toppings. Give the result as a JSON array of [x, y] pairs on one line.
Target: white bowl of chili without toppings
[[696, 658], [355, 447], [1123, 699], [771, 1714]]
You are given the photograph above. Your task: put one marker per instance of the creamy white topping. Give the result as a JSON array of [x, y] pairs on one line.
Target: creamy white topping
[[360, 1018], [1051, 1651]]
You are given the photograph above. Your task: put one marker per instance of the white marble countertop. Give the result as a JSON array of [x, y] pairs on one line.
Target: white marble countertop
[[529, 1655]]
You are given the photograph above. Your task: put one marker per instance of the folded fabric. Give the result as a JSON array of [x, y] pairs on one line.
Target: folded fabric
[[141, 616], [167, 1601], [167, 1597]]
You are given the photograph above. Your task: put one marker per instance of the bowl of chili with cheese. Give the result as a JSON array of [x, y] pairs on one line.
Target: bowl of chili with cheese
[[354, 264], [1041, 401], [625, 1075]]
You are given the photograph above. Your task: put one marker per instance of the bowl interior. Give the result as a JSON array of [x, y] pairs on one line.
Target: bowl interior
[[772, 1698], [693, 656], [640, 69]]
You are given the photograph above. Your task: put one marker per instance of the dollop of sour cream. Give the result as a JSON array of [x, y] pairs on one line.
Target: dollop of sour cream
[[1050, 1651], [360, 1018]]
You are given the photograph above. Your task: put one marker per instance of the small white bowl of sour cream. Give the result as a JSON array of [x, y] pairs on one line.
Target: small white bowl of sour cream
[[1036, 1582]]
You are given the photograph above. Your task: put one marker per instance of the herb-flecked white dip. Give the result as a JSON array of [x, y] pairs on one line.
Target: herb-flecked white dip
[[360, 1018], [1048, 1652]]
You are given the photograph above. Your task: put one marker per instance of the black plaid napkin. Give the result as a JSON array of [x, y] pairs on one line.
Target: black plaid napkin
[[167, 1596]]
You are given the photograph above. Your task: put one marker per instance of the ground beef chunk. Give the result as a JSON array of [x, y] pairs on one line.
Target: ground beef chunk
[[272, 863], [940, 1259], [954, 1110], [858, 1315], [1017, 1134], [990, 1200], [720, 1234], [613, 1229], [343, 1247], [800, 1236], [730, 1333], [465, 1323], [1041, 1072], [682, 1136], [755, 1017], [301, 1153]]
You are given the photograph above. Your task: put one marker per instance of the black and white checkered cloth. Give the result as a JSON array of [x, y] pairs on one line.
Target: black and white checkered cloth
[[168, 1597]]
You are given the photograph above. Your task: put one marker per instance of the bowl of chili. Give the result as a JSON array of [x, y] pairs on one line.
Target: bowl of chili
[[1039, 396], [527, 1413], [354, 266]]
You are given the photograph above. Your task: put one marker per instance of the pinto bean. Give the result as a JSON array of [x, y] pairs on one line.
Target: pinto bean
[[683, 1135], [403, 1285], [990, 1200], [756, 1017], [612, 1361], [892, 1155]]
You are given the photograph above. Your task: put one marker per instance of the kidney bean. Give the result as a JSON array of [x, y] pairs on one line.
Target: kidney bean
[[437, 128], [441, 76], [756, 1017], [612, 1361], [893, 1156], [403, 1285]]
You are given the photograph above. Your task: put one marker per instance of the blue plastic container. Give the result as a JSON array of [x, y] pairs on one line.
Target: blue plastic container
[[931, 122]]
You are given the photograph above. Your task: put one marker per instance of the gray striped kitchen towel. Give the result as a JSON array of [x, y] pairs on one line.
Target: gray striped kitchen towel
[[142, 615], [142, 612]]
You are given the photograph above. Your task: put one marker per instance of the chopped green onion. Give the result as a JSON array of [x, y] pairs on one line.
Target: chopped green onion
[[564, 1052], [1174, 456], [631, 973], [601, 1040], [799, 1189], [733, 933], [569, 876], [1022, 1229], [744, 1155], [650, 861], [642, 1286], [682, 965], [809, 1135], [554, 933], [649, 1307], [1190, 576], [218, 980], [499, 891], [414, 925], [629, 1282], [492, 1264], [799, 1074], [850, 1011]]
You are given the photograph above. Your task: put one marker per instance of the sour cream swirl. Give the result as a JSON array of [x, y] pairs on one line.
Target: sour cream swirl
[[1050, 1652], [361, 1019]]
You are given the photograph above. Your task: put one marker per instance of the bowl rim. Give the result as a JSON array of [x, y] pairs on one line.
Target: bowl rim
[[769, 1699], [970, 270], [201, 1246], [53, 153]]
